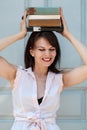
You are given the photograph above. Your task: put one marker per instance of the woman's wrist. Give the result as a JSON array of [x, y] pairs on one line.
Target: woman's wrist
[[67, 35], [21, 35]]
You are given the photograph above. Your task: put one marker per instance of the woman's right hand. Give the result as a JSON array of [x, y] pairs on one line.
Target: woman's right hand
[[23, 26]]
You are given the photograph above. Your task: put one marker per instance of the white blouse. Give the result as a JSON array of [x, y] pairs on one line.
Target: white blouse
[[28, 114]]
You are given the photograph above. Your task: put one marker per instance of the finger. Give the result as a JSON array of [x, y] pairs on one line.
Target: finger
[[25, 15], [31, 11], [61, 14], [59, 10]]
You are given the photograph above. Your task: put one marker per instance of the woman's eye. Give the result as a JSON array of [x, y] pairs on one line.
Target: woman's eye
[[41, 49], [52, 49]]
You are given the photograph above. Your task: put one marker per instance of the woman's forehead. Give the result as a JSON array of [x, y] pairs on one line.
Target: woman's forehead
[[42, 42]]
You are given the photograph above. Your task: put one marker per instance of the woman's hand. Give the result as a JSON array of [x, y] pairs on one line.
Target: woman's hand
[[65, 31], [23, 26]]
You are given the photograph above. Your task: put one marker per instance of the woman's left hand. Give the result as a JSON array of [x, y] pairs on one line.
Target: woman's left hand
[[65, 31]]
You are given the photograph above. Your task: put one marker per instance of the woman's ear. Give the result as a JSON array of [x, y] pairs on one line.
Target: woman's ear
[[32, 52]]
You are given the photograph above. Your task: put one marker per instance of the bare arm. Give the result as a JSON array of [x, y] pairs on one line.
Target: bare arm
[[5, 42], [7, 70], [78, 74], [11, 39]]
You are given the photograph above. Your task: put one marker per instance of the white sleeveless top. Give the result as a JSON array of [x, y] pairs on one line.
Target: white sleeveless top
[[28, 114]]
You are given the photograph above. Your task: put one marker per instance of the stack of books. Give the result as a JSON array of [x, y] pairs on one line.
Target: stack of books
[[44, 18]]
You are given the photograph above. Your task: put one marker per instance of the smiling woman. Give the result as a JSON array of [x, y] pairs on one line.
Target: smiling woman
[[40, 78]]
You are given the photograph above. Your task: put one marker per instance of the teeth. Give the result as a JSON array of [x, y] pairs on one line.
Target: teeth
[[47, 59]]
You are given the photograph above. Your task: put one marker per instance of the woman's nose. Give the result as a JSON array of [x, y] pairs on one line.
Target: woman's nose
[[47, 52]]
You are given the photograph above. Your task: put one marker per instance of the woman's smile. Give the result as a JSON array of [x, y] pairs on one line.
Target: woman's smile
[[46, 59]]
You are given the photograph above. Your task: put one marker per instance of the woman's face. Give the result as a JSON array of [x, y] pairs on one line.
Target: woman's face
[[43, 52]]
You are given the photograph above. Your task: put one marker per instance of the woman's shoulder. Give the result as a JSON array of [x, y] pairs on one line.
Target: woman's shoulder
[[56, 73], [22, 68], [58, 77], [20, 73]]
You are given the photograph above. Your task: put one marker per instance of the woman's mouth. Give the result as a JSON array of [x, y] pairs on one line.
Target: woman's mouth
[[46, 59]]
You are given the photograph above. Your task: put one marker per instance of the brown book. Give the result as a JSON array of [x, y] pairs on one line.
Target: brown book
[[44, 20]]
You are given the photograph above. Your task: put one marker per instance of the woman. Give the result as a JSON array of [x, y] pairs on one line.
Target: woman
[[36, 89]]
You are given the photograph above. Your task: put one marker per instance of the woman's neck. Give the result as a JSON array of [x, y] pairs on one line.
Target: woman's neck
[[40, 71]]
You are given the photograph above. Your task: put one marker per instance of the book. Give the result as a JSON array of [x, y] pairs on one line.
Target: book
[[37, 29], [44, 17], [44, 20], [42, 11]]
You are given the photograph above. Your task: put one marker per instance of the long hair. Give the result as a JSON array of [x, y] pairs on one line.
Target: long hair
[[52, 39]]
